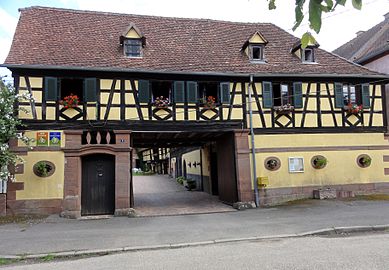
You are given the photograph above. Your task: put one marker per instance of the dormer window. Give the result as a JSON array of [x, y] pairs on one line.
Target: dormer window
[[256, 52], [254, 48], [308, 55], [133, 42], [133, 47]]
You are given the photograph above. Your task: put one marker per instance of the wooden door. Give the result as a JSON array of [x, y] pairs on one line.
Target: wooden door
[[98, 185], [227, 185]]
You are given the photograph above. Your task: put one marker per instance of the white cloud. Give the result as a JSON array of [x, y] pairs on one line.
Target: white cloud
[[7, 23]]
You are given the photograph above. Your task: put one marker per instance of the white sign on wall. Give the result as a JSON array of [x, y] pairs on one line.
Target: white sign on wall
[[296, 164]]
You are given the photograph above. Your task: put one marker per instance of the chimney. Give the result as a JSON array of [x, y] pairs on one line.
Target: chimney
[[359, 33]]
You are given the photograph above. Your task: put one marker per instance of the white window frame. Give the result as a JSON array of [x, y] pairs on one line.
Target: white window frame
[[291, 166], [349, 94], [262, 53], [312, 58]]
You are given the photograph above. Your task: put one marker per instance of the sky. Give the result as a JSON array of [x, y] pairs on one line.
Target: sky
[[338, 27]]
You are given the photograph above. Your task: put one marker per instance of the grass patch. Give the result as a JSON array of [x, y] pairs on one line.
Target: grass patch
[[22, 219], [48, 258], [7, 261]]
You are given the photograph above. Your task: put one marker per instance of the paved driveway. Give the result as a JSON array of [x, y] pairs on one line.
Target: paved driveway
[[160, 195]]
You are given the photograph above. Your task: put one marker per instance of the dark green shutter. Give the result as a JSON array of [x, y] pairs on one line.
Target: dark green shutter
[[143, 91], [225, 92], [298, 94], [179, 91], [51, 89], [267, 93], [90, 90], [339, 100], [192, 92], [365, 96]]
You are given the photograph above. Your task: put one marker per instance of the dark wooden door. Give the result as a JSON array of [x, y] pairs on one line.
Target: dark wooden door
[[98, 185], [227, 187]]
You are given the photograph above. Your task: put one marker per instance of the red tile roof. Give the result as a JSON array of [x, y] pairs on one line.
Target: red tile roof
[[88, 39]]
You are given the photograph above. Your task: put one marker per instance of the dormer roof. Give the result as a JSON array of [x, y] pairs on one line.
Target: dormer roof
[[132, 31], [297, 45], [256, 38]]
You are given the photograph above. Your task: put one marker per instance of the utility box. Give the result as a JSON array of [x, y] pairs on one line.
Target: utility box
[[263, 181]]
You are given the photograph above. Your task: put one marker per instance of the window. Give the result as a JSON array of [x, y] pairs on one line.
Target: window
[[72, 87], [349, 95], [281, 94], [256, 52], [133, 47], [346, 94], [161, 89], [308, 55], [296, 164], [219, 91], [208, 90]]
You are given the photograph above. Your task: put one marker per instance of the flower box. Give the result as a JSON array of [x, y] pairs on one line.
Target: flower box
[[284, 109], [353, 108], [161, 102], [71, 101], [209, 103]]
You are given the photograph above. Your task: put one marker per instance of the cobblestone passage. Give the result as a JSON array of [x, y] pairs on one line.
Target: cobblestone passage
[[160, 195]]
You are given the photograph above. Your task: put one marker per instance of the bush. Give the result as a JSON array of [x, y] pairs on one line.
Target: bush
[[180, 180]]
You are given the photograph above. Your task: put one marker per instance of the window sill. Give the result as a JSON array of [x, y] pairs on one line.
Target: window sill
[[253, 61], [309, 63]]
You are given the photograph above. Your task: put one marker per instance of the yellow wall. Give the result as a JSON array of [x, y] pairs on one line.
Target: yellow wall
[[193, 156], [237, 113], [42, 188], [342, 167]]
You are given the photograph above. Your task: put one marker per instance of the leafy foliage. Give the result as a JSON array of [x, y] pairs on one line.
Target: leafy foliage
[[315, 12], [9, 128]]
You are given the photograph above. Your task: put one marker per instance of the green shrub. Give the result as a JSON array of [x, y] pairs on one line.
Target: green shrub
[[180, 180]]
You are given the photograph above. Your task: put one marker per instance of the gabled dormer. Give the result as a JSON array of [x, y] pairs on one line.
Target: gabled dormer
[[308, 54], [254, 47], [133, 42]]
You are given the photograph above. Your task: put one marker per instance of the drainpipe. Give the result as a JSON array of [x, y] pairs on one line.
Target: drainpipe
[[256, 193]]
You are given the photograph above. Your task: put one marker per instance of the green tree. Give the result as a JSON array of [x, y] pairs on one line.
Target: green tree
[[9, 124], [315, 10]]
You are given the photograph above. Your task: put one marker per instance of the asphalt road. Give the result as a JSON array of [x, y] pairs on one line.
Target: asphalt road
[[345, 253]]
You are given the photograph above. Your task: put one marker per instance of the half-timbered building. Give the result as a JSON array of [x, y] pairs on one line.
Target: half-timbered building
[[106, 83]]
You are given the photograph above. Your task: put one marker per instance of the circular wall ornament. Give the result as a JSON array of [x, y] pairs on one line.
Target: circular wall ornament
[[272, 163], [44, 168], [319, 162], [364, 161]]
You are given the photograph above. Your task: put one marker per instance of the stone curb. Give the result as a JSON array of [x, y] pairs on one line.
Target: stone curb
[[325, 231]]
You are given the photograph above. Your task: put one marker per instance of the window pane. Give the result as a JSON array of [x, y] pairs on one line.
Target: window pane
[[133, 47], [284, 94], [352, 94], [346, 98], [308, 55], [256, 52]]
